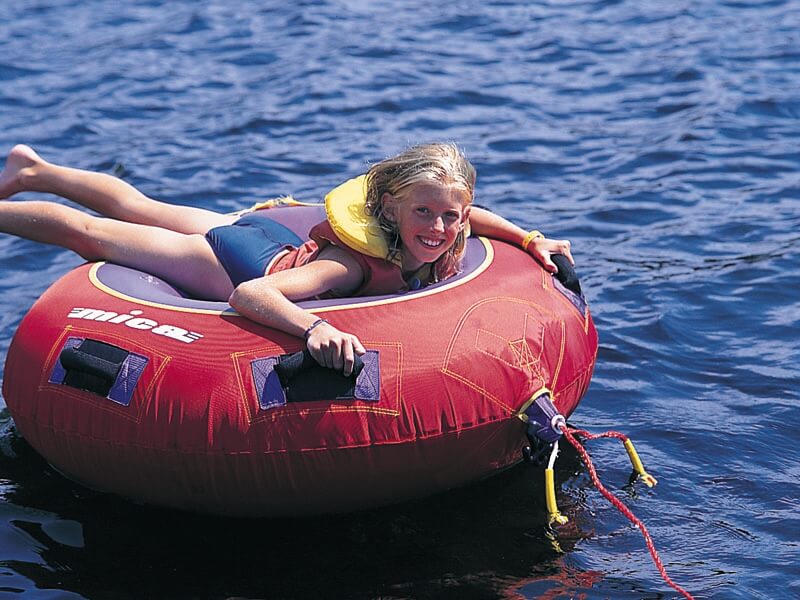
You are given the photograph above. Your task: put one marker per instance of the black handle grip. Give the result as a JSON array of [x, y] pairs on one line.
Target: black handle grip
[[97, 367], [303, 379], [294, 365], [74, 359], [566, 273]]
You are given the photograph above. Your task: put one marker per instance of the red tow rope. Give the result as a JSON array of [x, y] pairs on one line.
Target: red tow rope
[[570, 435]]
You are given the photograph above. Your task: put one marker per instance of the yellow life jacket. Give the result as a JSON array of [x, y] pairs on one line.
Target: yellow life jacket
[[344, 207]]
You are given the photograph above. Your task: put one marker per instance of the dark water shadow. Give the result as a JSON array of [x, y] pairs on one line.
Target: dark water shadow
[[482, 541]]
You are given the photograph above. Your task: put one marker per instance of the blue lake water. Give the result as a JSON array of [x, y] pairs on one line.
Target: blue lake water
[[660, 137]]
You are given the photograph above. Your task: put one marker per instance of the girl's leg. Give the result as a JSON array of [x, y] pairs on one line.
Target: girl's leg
[[27, 171], [185, 260]]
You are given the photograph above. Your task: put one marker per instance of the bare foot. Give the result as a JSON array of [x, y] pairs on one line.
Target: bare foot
[[18, 163]]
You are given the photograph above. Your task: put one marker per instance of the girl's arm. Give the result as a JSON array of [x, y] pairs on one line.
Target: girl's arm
[[269, 300], [487, 223]]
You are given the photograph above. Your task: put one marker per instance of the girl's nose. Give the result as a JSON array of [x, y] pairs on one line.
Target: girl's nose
[[438, 224]]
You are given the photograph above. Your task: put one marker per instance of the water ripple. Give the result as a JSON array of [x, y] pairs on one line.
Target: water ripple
[[661, 138]]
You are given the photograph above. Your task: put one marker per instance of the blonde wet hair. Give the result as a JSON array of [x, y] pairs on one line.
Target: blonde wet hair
[[440, 163]]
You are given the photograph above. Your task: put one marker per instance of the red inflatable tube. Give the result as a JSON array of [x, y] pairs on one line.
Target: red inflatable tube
[[124, 385]]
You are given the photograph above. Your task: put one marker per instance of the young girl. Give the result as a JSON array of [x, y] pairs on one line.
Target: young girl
[[420, 199]]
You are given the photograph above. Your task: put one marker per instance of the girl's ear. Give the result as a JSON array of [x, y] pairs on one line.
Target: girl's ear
[[389, 206], [465, 217]]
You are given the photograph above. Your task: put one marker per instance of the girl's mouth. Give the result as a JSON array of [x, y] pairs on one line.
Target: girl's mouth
[[429, 243]]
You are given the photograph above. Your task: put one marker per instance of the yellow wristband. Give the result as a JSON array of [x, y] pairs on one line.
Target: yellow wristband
[[529, 238]]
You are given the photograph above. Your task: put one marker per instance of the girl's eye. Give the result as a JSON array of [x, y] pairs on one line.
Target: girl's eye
[[422, 210]]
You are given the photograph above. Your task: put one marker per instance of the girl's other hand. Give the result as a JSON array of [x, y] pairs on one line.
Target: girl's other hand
[[333, 348], [542, 249]]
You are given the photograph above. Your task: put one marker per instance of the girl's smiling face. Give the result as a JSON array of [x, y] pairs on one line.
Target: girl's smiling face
[[429, 218]]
